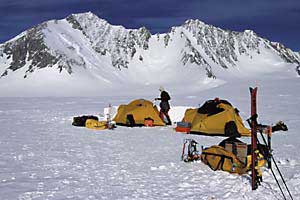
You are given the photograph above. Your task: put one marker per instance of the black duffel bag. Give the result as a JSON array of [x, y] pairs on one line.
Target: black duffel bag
[[80, 120]]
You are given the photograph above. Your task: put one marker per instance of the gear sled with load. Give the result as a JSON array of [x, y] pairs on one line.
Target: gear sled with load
[[230, 155], [81, 120], [92, 122]]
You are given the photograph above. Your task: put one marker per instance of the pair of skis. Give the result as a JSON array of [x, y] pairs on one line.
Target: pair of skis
[[256, 176], [255, 179]]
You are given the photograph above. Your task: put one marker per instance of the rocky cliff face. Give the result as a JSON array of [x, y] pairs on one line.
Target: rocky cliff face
[[29, 47], [104, 38], [225, 47], [84, 40]]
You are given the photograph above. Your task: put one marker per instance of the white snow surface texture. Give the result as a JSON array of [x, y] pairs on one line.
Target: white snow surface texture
[[44, 157]]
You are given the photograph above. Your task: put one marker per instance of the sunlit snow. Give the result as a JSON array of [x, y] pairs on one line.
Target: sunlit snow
[[44, 157]]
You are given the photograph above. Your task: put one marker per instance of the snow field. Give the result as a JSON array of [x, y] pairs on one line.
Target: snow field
[[44, 157]]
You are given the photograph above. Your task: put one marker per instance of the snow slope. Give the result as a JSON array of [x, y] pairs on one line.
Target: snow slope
[[83, 55], [44, 157]]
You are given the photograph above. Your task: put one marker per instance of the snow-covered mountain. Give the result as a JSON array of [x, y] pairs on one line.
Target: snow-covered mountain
[[86, 53]]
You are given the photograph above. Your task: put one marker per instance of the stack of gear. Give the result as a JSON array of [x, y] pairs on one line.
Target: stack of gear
[[216, 117], [184, 127], [233, 156], [138, 113], [95, 124], [92, 122], [218, 158], [81, 120], [99, 125]]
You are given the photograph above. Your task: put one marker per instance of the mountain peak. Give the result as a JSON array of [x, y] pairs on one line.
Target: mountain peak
[[194, 22], [82, 20], [88, 14], [86, 46]]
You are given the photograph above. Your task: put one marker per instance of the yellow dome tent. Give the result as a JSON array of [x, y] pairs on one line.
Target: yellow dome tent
[[216, 117], [136, 112]]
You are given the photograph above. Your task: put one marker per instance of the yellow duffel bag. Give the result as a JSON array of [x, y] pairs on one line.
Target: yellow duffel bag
[[217, 158], [95, 124]]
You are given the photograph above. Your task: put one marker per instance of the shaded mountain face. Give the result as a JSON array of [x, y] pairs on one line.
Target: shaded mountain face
[[29, 47], [84, 43]]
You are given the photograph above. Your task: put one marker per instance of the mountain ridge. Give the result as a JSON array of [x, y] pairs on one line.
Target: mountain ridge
[[83, 44]]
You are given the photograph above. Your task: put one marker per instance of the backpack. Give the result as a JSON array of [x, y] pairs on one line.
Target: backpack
[[217, 158]]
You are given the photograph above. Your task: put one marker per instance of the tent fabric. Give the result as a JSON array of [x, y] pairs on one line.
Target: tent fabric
[[212, 117], [139, 109]]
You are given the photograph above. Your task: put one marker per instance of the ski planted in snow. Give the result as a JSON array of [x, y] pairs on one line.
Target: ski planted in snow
[[255, 176]]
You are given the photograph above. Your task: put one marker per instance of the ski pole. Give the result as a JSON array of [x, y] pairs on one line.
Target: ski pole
[[277, 167], [273, 171], [278, 184], [281, 177], [269, 148]]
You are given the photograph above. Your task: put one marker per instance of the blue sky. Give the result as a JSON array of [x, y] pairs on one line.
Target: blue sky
[[276, 20]]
